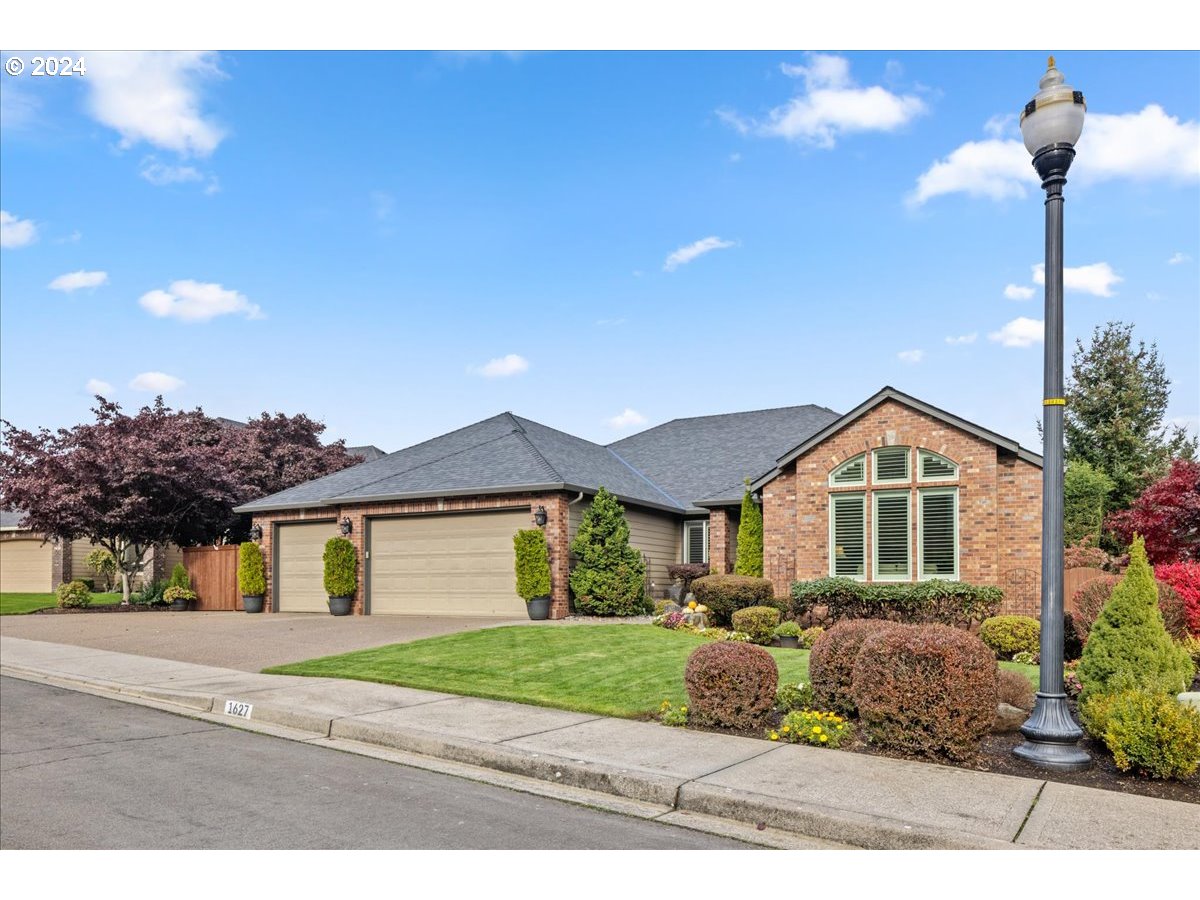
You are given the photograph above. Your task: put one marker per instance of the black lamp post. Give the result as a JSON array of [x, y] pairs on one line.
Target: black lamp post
[[1050, 125]]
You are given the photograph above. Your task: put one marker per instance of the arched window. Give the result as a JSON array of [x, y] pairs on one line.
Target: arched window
[[935, 467], [851, 472]]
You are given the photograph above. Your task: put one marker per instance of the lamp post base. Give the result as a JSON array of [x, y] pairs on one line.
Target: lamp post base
[[1051, 735]]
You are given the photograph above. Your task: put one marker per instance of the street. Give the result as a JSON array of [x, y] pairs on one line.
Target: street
[[84, 772]]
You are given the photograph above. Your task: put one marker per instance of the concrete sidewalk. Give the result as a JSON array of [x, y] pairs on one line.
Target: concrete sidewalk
[[805, 796]]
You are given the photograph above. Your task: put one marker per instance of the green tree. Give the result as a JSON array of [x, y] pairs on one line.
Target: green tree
[[750, 539], [609, 578], [1085, 492], [1117, 399], [103, 564]]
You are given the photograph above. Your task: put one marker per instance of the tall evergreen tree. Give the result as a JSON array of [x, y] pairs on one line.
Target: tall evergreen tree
[[609, 578], [1085, 498], [1117, 399], [750, 539]]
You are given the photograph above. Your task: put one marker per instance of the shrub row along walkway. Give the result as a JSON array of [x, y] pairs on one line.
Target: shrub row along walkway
[[638, 767]]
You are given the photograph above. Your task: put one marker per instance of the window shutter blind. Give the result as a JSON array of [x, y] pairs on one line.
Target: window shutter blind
[[853, 471], [936, 468], [849, 535], [892, 535], [938, 534], [891, 464], [695, 542]]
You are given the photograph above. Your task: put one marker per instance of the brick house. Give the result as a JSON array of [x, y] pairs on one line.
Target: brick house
[[895, 490]]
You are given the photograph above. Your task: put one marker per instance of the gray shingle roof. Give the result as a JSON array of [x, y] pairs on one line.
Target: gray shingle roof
[[369, 452], [502, 454], [707, 458]]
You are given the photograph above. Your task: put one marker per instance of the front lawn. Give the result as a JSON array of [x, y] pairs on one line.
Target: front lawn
[[18, 604], [610, 670]]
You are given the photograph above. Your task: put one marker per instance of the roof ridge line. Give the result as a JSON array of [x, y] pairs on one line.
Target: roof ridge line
[[524, 436], [430, 462], [646, 478]]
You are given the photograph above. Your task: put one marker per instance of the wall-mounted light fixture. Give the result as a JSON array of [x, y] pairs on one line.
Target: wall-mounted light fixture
[[347, 525], [256, 532], [539, 516]]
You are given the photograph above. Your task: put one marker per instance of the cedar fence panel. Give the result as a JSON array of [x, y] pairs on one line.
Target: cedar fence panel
[[214, 576], [1073, 580]]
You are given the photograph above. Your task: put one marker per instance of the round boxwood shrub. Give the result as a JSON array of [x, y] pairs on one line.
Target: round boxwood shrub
[[730, 685], [1090, 599], [810, 635], [1153, 734], [1007, 635], [726, 594], [1014, 689], [757, 621], [341, 567], [929, 690], [831, 664], [252, 576], [73, 595]]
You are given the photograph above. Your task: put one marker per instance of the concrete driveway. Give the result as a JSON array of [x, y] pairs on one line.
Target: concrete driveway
[[235, 640]]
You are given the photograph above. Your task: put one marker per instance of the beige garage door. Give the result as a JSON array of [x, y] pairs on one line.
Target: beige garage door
[[25, 567], [299, 585], [449, 565]]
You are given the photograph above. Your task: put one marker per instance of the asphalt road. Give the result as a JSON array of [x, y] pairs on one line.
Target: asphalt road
[[84, 772]]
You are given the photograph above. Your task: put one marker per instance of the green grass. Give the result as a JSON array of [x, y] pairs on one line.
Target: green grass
[[19, 604], [610, 670]]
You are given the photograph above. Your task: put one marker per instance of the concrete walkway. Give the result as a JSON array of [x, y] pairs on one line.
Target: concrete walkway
[[803, 796]]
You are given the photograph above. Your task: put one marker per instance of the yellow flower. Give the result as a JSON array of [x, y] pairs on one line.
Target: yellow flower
[[774, 736], [683, 709], [840, 727], [824, 738], [816, 729], [787, 728]]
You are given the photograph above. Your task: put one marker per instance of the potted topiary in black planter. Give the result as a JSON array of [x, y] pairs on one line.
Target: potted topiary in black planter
[[788, 634], [179, 597], [533, 572], [252, 577], [341, 574]]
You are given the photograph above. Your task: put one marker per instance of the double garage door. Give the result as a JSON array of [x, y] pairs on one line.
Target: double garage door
[[25, 567], [455, 564]]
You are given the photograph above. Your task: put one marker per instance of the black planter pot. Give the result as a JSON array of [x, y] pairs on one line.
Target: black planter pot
[[339, 606], [252, 604], [539, 607], [792, 641], [179, 605]]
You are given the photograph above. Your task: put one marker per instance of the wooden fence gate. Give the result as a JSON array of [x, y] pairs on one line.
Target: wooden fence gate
[[214, 576]]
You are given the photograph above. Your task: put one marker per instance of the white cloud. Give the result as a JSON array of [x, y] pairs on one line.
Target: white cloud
[[161, 174], [1018, 292], [1096, 279], [626, 419], [685, 255], [18, 107], [1020, 332], [1001, 125], [912, 357], [197, 301], [155, 96], [16, 232], [73, 281], [1139, 146], [735, 157], [830, 106], [501, 367], [96, 386], [605, 323], [963, 338], [157, 382], [383, 204], [1177, 259]]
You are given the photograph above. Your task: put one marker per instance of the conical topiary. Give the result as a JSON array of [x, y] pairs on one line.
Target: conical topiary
[[1128, 647], [609, 578], [750, 539]]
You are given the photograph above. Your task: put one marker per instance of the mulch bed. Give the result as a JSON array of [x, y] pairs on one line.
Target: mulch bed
[[106, 608]]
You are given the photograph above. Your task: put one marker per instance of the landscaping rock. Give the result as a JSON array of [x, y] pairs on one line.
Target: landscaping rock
[[1191, 698], [1009, 718], [675, 592], [671, 608]]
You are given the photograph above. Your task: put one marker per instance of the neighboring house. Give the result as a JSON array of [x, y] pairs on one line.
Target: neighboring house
[[896, 490]]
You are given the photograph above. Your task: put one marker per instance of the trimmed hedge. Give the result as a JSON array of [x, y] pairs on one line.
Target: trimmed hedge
[[532, 563], [930, 690], [251, 573], [934, 601], [757, 621], [73, 595], [1007, 635], [730, 685], [1153, 734], [726, 594], [341, 567], [831, 663]]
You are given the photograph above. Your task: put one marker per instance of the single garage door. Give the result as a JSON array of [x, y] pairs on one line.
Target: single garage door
[[25, 567], [300, 572], [448, 565]]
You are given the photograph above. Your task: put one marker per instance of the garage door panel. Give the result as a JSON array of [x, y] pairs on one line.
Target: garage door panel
[[25, 567], [300, 570], [446, 565]]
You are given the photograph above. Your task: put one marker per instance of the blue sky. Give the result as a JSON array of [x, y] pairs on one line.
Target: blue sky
[[403, 243]]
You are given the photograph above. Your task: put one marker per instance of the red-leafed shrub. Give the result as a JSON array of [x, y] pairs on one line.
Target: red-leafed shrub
[[1090, 599], [1085, 555], [730, 685], [1184, 578], [930, 690], [1166, 515], [685, 574], [831, 664], [1014, 689]]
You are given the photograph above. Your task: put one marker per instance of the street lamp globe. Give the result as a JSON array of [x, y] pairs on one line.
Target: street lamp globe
[[1054, 115]]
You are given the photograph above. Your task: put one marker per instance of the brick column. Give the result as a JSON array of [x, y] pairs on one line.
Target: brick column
[[719, 561], [358, 537], [60, 562], [560, 552], [268, 560], [779, 532]]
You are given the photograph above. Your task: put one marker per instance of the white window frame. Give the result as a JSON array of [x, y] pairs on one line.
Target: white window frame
[[921, 454], [833, 573], [922, 576], [842, 465], [875, 495], [875, 479], [687, 526]]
